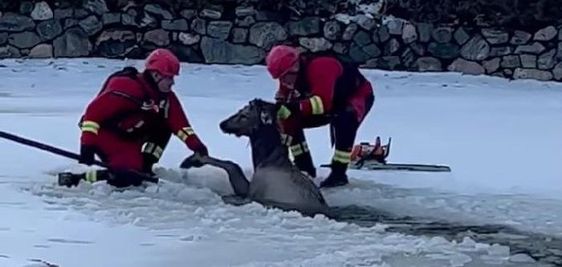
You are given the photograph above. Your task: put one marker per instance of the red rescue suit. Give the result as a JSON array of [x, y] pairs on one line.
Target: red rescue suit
[[129, 117], [327, 91]]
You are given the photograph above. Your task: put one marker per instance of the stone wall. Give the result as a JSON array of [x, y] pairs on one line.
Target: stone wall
[[242, 31]]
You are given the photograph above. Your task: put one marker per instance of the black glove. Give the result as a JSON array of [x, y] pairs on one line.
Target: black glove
[[87, 154]]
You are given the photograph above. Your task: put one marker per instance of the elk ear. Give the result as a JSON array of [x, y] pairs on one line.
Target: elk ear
[[266, 118]]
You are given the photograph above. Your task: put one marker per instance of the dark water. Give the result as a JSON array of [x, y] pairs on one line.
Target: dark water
[[542, 248]]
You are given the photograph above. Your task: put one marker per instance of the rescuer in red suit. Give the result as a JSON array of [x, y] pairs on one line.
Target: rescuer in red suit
[[129, 123], [315, 90]]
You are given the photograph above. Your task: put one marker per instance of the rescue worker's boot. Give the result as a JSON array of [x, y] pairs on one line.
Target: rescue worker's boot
[[148, 160], [305, 164], [69, 179], [337, 177], [116, 177]]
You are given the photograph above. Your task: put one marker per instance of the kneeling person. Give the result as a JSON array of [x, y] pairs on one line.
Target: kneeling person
[[129, 123]]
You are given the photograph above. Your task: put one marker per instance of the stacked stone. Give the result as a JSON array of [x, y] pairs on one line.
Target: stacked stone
[[244, 34]]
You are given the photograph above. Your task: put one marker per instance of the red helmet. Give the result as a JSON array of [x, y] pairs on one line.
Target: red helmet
[[163, 61], [281, 59]]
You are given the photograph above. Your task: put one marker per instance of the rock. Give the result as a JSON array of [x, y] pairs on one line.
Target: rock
[[559, 51], [466, 67], [187, 53], [41, 51], [365, 22], [3, 37], [9, 52], [391, 47], [528, 61], [461, 36], [545, 34], [372, 50], [270, 16], [98, 7], [386, 63], [511, 61], [407, 58], [128, 20], [425, 30], [11, 22], [42, 11], [116, 43], [219, 51], [246, 22], [557, 71], [158, 11], [536, 48], [188, 38], [442, 35], [418, 49], [188, 13], [80, 13], [500, 51], [24, 39], [69, 23], [219, 29], [362, 38], [357, 54], [534, 74], [349, 31], [546, 60], [315, 44], [63, 13], [305, 26], [49, 29], [332, 30], [381, 35], [244, 11], [520, 37], [409, 35], [211, 14], [91, 25], [111, 18], [428, 64], [199, 26], [266, 34], [158, 37], [26, 7], [175, 25], [239, 35], [476, 49], [394, 26], [73, 43], [495, 36], [340, 48], [491, 65], [443, 50]]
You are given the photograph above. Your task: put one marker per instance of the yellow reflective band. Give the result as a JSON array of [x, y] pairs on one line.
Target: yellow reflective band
[[317, 106], [185, 132], [91, 176], [148, 148], [283, 113], [182, 135], [342, 156], [90, 126], [188, 130], [296, 150], [286, 139], [158, 152]]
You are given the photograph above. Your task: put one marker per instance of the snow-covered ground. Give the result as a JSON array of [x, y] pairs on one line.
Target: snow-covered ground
[[501, 138]]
